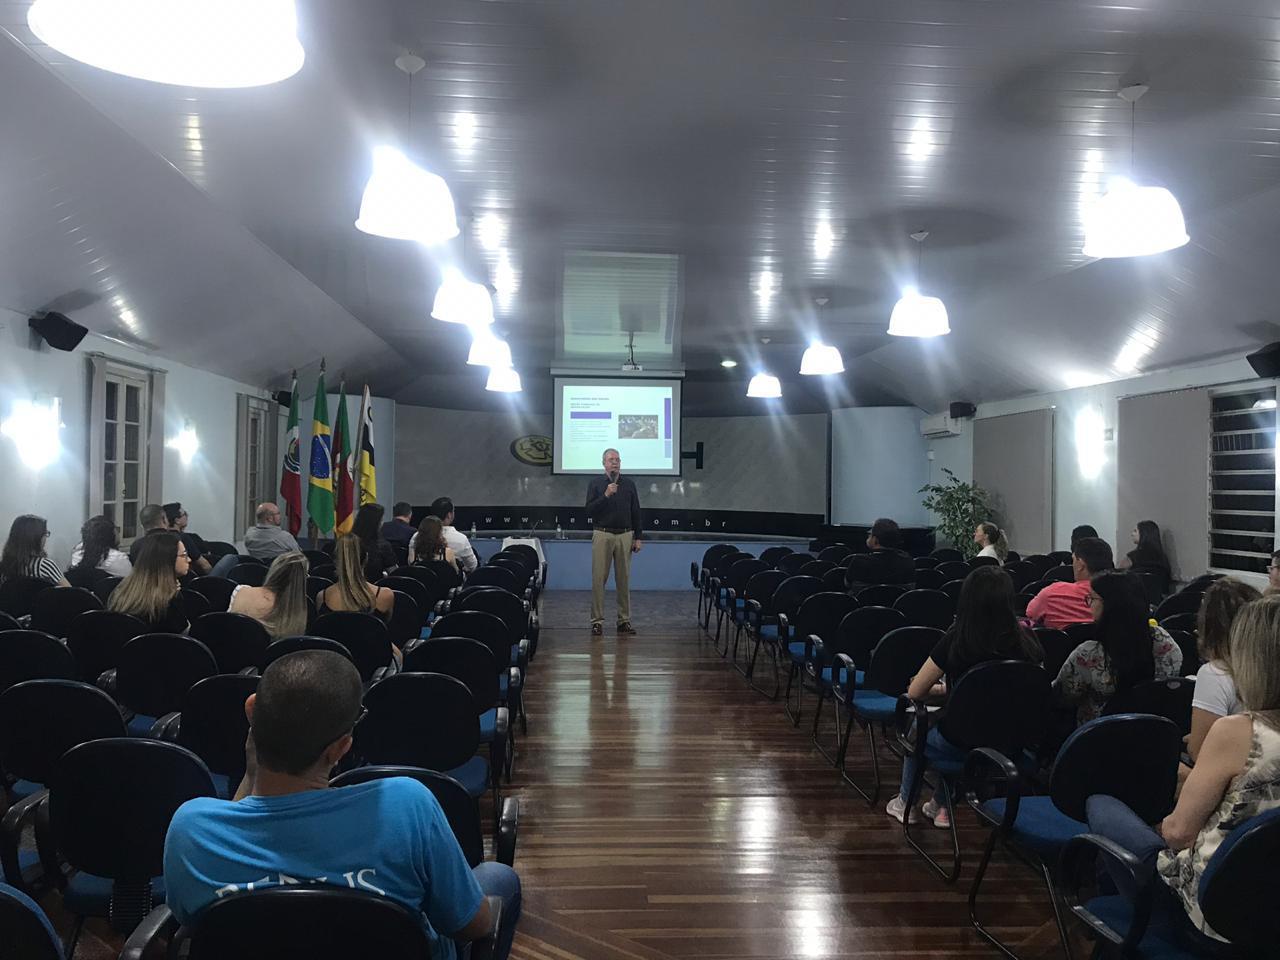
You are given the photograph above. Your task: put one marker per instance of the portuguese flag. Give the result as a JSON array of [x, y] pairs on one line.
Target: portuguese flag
[[320, 487]]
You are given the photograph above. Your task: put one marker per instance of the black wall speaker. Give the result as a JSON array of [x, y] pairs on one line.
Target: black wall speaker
[[962, 410], [57, 330], [1266, 362], [284, 398]]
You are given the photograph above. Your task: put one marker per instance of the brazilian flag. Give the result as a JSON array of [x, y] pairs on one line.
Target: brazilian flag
[[320, 484]]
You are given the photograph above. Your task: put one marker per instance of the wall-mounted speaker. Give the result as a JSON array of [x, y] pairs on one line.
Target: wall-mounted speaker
[[283, 397], [1266, 362], [962, 411], [57, 330]]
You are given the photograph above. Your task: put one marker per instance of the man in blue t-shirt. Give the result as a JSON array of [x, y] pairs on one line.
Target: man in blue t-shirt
[[287, 826]]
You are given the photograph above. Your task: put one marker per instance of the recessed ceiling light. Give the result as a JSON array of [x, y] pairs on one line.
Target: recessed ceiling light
[[727, 363]]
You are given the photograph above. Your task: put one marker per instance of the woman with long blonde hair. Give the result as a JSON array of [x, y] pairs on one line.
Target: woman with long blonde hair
[[152, 592], [280, 604], [353, 592]]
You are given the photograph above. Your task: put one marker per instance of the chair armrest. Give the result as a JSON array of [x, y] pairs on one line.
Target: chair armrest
[[515, 679], [784, 625], [501, 722], [508, 825], [46, 847], [412, 645], [107, 682], [160, 922], [485, 947], [11, 836], [249, 672], [166, 728], [731, 595], [813, 655], [985, 766], [843, 663], [1133, 880], [523, 647]]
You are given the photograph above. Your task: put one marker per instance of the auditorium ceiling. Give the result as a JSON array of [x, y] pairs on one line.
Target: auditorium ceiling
[[759, 164]]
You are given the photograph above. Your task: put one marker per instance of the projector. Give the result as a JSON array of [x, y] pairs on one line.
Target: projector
[[632, 367]]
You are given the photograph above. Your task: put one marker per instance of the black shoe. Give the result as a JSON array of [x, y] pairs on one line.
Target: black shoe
[[597, 629], [625, 628]]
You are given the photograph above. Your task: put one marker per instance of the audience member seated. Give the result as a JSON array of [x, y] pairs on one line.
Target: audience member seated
[[353, 592], [195, 545], [398, 531], [24, 554], [99, 548], [280, 604], [1148, 554], [151, 592], [286, 824], [430, 543], [1235, 779], [1216, 695], [986, 628], [1061, 604], [1082, 532], [886, 563], [265, 540], [380, 556], [152, 519], [992, 541], [1127, 648], [442, 507]]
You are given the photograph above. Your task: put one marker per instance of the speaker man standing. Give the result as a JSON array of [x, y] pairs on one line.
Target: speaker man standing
[[614, 508]]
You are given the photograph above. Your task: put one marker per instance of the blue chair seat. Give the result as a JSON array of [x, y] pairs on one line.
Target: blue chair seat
[[140, 725], [874, 705], [473, 775], [22, 789], [769, 631], [488, 725], [515, 656], [797, 652], [1040, 825], [89, 895]]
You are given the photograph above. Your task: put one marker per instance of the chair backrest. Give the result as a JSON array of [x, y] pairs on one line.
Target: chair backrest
[[1191, 660], [926, 608], [1185, 601], [792, 562], [792, 592], [880, 595], [477, 625], [8, 623], [428, 578], [821, 614], [157, 669], [925, 563], [1232, 900], [18, 594], [1012, 557], [27, 930], [833, 579], [817, 568], [725, 562], [1169, 698], [1182, 621], [419, 720], [315, 921], [975, 562], [53, 610], [40, 720], [771, 555], [110, 803], [1041, 563], [97, 637], [1021, 573], [952, 589], [518, 564], [287, 645], [861, 630], [194, 605], [235, 640], [214, 725], [105, 587], [249, 574], [326, 570], [1153, 584], [467, 660], [946, 554], [405, 623], [1080, 632], [929, 579], [523, 550], [459, 808], [1201, 583], [32, 655], [1060, 557], [834, 553], [217, 590], [1001, 704], [1064, 573], [1132, 757], [444, 571], [1057, 646], [317, 558], [491, 576], [953, 570], [762, 587], [742, 572], [713, 553], [898, 657], [363, 634], [507, 607], [316, 586]]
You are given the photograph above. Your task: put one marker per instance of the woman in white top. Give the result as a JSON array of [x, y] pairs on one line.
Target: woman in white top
[[280, 604], [99, 548], [1215, 695], [992, 541]]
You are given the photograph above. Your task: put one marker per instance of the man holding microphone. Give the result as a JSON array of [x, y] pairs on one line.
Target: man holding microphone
[[614, 508]]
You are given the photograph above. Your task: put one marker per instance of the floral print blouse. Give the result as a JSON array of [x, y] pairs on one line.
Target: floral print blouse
[[1085, 681]]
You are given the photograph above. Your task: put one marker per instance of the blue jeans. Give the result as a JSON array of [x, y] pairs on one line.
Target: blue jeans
[[499, 880], [224, 565], [938, 747]]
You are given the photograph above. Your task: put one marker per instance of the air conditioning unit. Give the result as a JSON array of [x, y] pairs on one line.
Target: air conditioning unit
[[940, 425]]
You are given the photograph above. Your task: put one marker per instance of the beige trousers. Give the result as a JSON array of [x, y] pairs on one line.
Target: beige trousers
[[607, 548]]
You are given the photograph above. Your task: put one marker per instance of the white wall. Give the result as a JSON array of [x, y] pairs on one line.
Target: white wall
[[878, 465], [60, 492]]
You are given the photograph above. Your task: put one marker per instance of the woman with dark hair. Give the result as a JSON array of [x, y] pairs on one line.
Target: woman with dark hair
[[429, 543], [24, 554], [151, 592], [379, 556], [986, 628], [1148, 554], [1215, 694], [992, 541], [99, 548], [1127, 648]]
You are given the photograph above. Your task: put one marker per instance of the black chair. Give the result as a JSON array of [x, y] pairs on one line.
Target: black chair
[[817, 619], [947, 554], [248, 574], [154, 673], [1041, 563], [32, 655], [834, 580], [701, 574], [775, 635], [792, 562], [1022, 574], [217, 590], [287, 645], [1080, 632], [1169, 698], [880, 595], [405, 624], [1012, 557], [925, 563], [953, 570], [771, 555], [1185, 601], [326, 571], [929, 579], [213, 726], [975, 562], [1153, 585], [730, 600], [1060, 557], [817, 568], [508, 608], [445, 573], [28, 932], [106, 816], [194, 605], [926, 608], [8, 623], [316, 586], [519, 567], [97, 637], [491, 576], [1057, 646], [897, 658], [1182, 621], [834, 553], [436, 591], [1060, 574], [1131, 757], [53, 610], [40, 720], [715, 583], [756, 611], [317, 558], [364, 635], [1191, 661], [18, 594], [105, 587], [236, 641], [1201, 583]]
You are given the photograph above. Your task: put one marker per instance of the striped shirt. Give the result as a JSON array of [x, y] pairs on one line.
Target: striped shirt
[[42, 568]]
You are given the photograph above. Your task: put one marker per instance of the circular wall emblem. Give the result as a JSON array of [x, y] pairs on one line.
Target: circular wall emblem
[[533, 450]]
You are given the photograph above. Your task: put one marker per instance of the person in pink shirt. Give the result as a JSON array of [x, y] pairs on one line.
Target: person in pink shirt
[[1061, 604]]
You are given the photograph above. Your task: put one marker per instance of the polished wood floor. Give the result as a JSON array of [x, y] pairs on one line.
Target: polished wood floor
[[667, 811]]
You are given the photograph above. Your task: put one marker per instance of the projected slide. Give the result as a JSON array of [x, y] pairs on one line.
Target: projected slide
[[639, 418]]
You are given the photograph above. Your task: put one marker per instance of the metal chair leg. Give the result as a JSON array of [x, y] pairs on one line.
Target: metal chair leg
[[817, 715], [913, 794], [796, 674], [777, 680], [874, 795]]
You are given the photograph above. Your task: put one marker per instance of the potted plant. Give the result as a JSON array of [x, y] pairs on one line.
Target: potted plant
[[959, 507]]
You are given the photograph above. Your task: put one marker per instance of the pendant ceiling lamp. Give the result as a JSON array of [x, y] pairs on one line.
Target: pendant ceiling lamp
[[915, 315], [1130, 220], [764, 385], [503, 380], [464, 301], [402, 201], [821, 359], [488, 350], [193, 43]]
